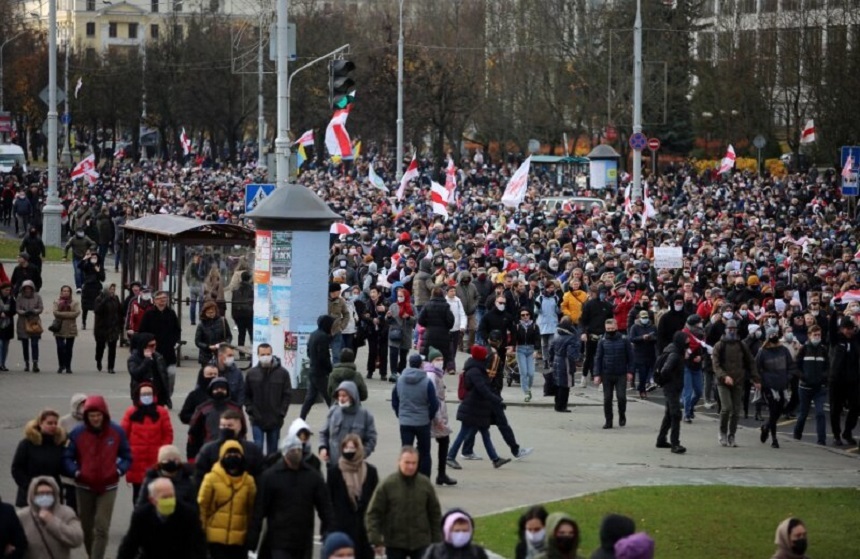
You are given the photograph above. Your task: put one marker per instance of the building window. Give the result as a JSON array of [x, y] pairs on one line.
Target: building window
[[132, 31], [112, 30], [768, 6], [214, 5], [91, 5], [154, 5], [746, 6], [153, 31], [91, 29], [177, 31], [177, 6]]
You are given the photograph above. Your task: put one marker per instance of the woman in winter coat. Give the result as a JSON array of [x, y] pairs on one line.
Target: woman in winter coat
[[527, 338], [439, 428], [66, 310], [147, 365], [7, 325], [212, 330], [351, 482], [226, 502], [563, 354], [108, 327], [437, 320], [40, 453], [53, 530], [573, 300], [147, 427], [213, 289], [791, 540], [344, 417], [93, 274], [458, 530], [547, 313], [400, 318], [28, 307]]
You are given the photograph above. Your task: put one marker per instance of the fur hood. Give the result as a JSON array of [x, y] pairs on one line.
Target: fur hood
[[34, 434]]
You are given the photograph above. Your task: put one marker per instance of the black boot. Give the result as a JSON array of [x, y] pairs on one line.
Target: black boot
[[443, 479], [35, 366]]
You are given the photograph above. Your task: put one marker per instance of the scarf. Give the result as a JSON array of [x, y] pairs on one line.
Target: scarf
[[354, 473], [405, 307], [64, 304], [142, 412]]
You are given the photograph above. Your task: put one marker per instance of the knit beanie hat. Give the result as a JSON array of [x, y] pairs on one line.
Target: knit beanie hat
[[479, 352], [433, 353], [334, 542], [415, 360]]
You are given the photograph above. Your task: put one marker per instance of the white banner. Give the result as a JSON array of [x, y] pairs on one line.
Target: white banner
[[518, 185], [668, 257]]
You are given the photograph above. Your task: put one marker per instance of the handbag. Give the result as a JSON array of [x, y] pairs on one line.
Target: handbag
[[395, 333], [5, 322], [56, 326], [756, 397], [33, 326]]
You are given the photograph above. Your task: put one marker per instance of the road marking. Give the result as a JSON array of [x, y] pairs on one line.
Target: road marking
[[784, 423]]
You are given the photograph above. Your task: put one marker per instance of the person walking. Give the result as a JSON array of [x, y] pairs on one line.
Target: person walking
[[225, 360], [53, 529], [457, 538], [198, 394], [104, 233], [404, 516], [33, 246], [468, 295], [613, 368], [212, 331], [732, 362], [171, 466], [136, 308], [319, 364], [401, 324], [844, 381], [339, 312], [563, 354], [439, 428], [775, 366], [415, 404], [205, 424], [231, 427], [345, 417], [268, 392], [65, 328], [80, 245], [242, 307], [671, 377], [28, 307], [596, 311], [351, 483], [643, 336], [93, 274], [213, 289], [7, 324], [345, 370], [39, 453], [147, 426], [377, 335], [457, 330], [108, 327], [25, 270], [97, 456], [145, 364], [194, 278], [526, 338], [547, 311], [562, 538], [162, 322], [814, 363]]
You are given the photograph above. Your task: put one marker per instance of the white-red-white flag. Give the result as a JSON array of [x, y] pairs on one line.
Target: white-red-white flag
[[410, 175], [439, 199], [306, 139], [649, 211], [85, 169], [78, 86], [451, 181], [807, 136], [728, 162], [185, 141], [337, 140], [628, 204], [849, 167], [518, 185]]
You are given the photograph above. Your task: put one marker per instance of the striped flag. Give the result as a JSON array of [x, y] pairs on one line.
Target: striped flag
[[301, 156], [807, 136], [628, 205], [410, 174], [185, 141], [518, 185], [849, 167], [728, 162], [86, 169], [306, 139], [451, 181], [337, 140], [375, 179], [439, 199]]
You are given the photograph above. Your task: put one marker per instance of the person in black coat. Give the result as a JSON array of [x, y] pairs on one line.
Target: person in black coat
[[162, 322], [563, 354], [145, 364], [13, 540], [40, 453], [7, 322], [672, 379], [108, 326], [33, 246], [159, 530], [595, 312], [319, 357], [230, 428], [672, 321], [437, 319], [199, 394], [24, 271], [93, 274], [171, 466], [499, 318], [351, 483]]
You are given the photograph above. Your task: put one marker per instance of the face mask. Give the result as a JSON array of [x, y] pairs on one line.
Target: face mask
[[94, 260], [565, 543], [265, 360], [757, 334], [439, 363], [170, 467], [227, 434], [772, 321], [611, 333], [43, 501], [348, 454], [798, 547], [644, 321], [500, 306], [146, 400], [727, 315], [773, 339], [678, 307], [815, 341], [461, 539], [166, 506], [536, 538], [344, 404], [233, 464], [400, 299], [789, 337], [146, 297], [79, 234], [219, 396], [731, 336], [229, 360]]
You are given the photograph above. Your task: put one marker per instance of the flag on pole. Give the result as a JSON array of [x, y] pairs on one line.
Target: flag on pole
[[185, 141], [301, 156], [337, 140], [85, 169], [410, 174], [517, 185], [849, 166], [649, 210], [78, 86], [375, 180], [439, 199], [356, 149], [728, 161], [807, 136], [628, 205], [451, 181], [306, 139]]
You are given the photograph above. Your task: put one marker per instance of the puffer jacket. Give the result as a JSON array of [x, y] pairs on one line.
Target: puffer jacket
[[775, 366], [563, 354], [404, 513], [211, 331], [56, 538], [37, 455], [732, 358], [571, 304], [267, 394], [340, 422], [68, 320], [614, 356], [146, 435], [813, 362], [227, 503], [467, 293], [476, 409], [547, 311], [439, 424], [346, 371], [28, 308]]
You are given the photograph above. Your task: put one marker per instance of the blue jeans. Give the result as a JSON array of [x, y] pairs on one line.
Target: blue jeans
[[270, 436], [336, 347], [812, 396], [526, 363], [79, 276], [468, 431], [65, 346], [408, 435], [4, 351], [643, 372], [479, 314], [692, 391], [27, 345], [195, 297]]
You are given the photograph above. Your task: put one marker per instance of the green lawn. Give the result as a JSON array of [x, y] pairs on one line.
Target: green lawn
[[703, 522], [9, 251]]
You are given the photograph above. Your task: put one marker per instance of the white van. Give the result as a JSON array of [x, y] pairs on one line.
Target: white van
[[9, 155]]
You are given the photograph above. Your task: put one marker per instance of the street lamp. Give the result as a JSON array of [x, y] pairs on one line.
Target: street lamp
[[707, 116], [52, 209], [399, 153]]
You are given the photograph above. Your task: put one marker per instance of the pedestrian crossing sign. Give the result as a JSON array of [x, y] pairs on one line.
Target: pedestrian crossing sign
[[256, 193]]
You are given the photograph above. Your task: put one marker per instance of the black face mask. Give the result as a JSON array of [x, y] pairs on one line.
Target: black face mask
[[565, 543], [227, 434], [349, 454], [170, 467], [219, 396], [233, 464], [798, 547]]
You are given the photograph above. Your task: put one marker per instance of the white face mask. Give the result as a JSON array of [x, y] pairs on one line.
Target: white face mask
[[727, 315], [146, 296], [400, 299], [461, 539], [439, 363], [679, 307], [344, 404], [146, 399], [43, 501], [94, 260], [536, 537], [265, 360], [500, 306], [229, 360]]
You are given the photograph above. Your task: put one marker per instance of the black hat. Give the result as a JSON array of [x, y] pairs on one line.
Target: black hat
[[846, 322]]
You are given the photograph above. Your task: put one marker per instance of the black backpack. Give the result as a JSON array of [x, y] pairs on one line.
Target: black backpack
[[659, 374]]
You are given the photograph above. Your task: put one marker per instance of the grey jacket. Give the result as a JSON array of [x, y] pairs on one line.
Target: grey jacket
[[342, 421], [414, 398]]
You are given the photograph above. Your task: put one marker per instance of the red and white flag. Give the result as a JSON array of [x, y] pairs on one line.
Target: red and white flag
[[439, 199], [649, 211], [728, 162], [185, 141], [410, 175], [807, 136], [337, 140], [85, 169], [517, 187], [628, 204], [451, 181], [848, 168], [306, 139]]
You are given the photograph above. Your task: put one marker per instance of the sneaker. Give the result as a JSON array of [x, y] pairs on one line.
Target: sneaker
[[678, 449], [584, 382], [663, 444], [652, 386], [836, 440], [765, 434], [849, 439], [78, 291], [724, 441], [710, 405], [732, 442], [688, 419], [774, 444], [528, 397], [499, 462], [472, 457], [522, 453], [453, 464], [445, 480], [622, 421]]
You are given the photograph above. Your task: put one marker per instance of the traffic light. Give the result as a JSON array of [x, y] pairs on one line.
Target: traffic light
[[340, 85]]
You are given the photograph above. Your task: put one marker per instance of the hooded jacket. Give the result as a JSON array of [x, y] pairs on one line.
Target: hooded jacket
[[342, 421], [783, 542], [96, 459], [268, 391], [204, 425], [669, 323], [775, 365], [414, 398], [27, 308], [347, 371], [70, 421], [563, 354], [673, 368], [164, 325], [37, 455], [109, 317], [57, 537], [613, 527], [146, 432], [551, 549], [571, 304], [148, 369], [439, 425], [445, 550], [476, 409], [319, 347], [226, 502]]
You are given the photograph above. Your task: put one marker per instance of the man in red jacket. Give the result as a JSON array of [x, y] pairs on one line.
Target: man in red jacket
[[97, 456]]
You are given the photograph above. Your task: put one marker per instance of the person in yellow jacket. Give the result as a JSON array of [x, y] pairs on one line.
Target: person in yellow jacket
[[226, 501], [571, 305]]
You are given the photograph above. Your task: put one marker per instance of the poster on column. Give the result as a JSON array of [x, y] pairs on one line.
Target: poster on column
[[281, 302], [296, 356], [261, 332]]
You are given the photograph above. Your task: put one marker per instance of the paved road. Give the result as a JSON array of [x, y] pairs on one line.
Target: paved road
[[573, 455]]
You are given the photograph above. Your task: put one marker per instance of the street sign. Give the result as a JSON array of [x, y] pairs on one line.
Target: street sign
[[65, 118], [291, 42], [850, 185], [611, 134], [61, 95], [759, 141], [256, 193], [653, 144], [5, 122], [638, 141]]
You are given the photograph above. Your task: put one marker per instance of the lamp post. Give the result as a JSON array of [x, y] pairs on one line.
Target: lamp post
[[52, 209], [282, 141], [637, 99], [399, 152], [66, 155]]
